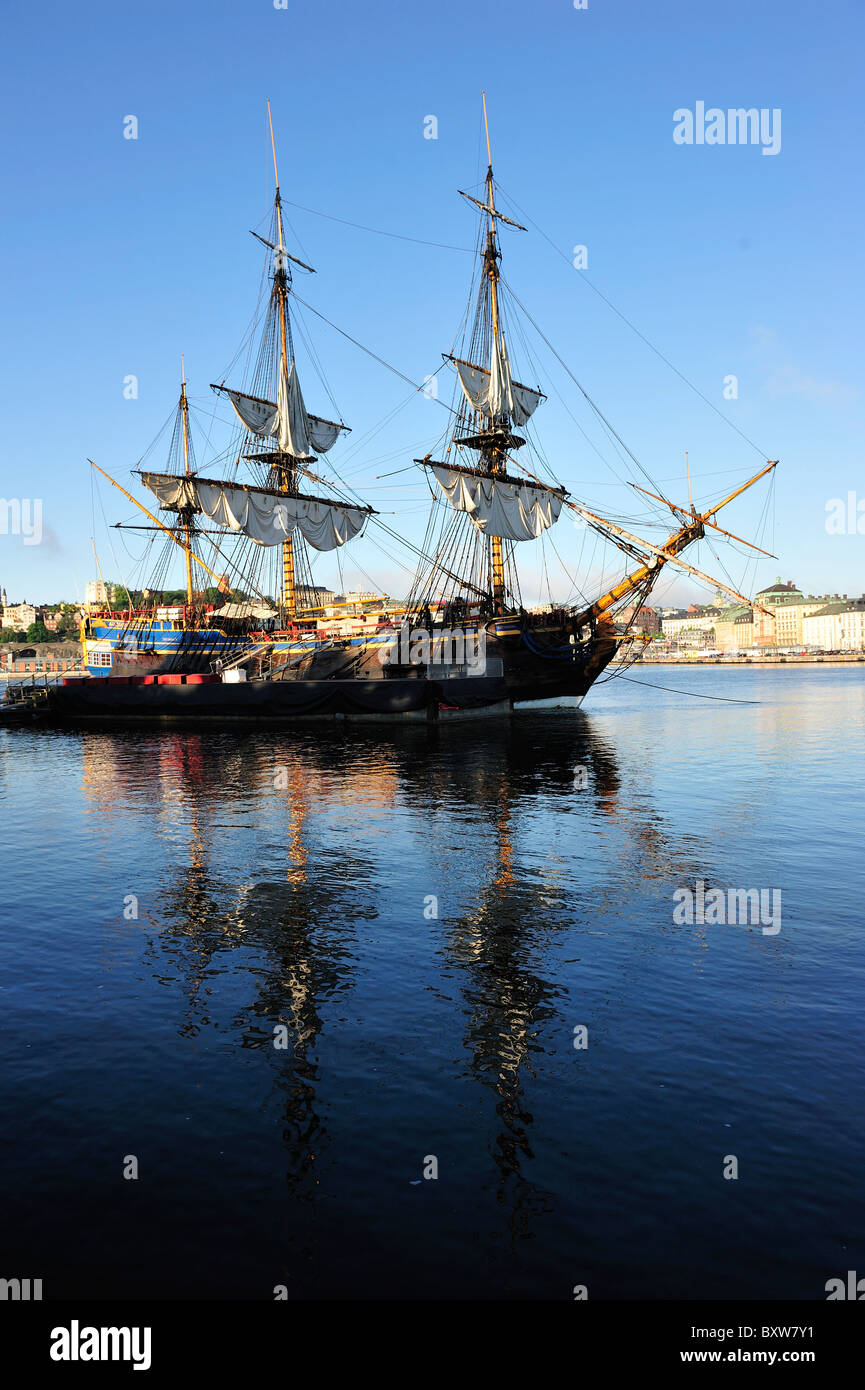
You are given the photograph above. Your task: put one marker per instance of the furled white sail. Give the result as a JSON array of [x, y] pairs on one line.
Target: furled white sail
[[297, 432], [515, 511], [266, 517], [494, 392]]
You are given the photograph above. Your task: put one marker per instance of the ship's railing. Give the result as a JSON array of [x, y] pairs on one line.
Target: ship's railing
[[285, 669], [249, 654], [32, 689], [272, 665]]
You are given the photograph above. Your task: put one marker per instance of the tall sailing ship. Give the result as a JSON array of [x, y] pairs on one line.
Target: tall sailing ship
[[460, 642]]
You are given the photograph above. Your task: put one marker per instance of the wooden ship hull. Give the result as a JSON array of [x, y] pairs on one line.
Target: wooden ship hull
[[521, 667]]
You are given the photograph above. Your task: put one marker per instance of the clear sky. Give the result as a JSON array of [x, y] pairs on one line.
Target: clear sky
[[120, 254]]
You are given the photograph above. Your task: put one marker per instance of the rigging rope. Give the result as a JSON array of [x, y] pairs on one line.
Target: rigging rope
[[378, 231], [636, 330], [725, 699], [579, 387], [396, 371]]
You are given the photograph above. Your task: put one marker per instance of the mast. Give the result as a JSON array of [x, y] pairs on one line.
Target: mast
[[287, 476], [184, 410], [489, 454], [500, 503], [503, 508], [161, 524], [691, 530]]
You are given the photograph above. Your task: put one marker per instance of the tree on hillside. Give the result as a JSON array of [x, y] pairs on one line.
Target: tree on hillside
[[38, 632]]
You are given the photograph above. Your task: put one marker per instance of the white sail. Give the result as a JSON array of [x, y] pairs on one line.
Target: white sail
[[522, 400], [514, 511], [259, 416], [475, 382], [292, 434], [494, 392], [287, 420], [323, 434], [266, 517], [500, 394]]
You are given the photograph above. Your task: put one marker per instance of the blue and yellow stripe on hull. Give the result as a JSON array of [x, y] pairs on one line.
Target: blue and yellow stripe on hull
[[160, 645], [153, 645]]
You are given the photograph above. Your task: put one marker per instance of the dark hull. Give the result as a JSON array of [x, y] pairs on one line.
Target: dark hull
[[151, 664], [516, 673], [273, 700]]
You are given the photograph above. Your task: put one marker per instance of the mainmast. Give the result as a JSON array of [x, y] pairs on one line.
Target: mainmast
[[187, 515], [272, 514], [490, 455], [286, 470]]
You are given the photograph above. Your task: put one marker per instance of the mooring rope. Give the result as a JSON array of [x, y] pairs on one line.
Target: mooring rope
[[727, 700]]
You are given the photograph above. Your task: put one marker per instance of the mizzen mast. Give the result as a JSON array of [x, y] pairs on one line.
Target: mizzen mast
[[186, 515]]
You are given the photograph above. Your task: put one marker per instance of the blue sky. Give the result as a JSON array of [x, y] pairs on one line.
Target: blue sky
[[118, 255]]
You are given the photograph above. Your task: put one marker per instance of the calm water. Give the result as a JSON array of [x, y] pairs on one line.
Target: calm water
[[291, 879]]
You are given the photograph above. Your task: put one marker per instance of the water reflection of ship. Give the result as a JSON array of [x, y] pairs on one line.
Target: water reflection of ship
[[517, 909], [296, 928], [511, 918], [298, 924], [301, 923]]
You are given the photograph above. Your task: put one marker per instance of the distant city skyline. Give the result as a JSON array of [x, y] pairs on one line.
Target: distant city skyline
[[135, 183]]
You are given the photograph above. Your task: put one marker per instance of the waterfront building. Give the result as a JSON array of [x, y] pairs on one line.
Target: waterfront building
[[763, 628], [734, 632], [96, 593], [692, 628], [359, 596], [837, 627], [313, 596], [644, 618], [790, 607], [779, 593], [18, 615]]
